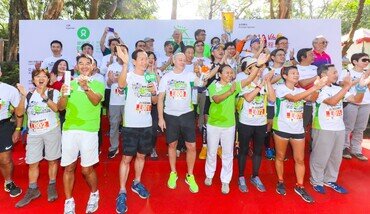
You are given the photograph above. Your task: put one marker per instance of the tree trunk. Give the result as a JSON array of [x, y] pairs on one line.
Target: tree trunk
[[18, 10], [174, 9], [54, 9], [94, 9], [285, 8], [354, 25], [272, 12], [111, 11]]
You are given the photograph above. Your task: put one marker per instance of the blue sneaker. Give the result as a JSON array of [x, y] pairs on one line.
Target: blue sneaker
[[140, 190], [270, 154], [336, 187], [121, 203], [256, 181], [318, 188]]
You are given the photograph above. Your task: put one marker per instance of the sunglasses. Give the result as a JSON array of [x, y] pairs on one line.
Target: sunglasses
[[365, 60]]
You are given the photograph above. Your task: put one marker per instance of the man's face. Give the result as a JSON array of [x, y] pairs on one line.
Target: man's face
[[113, 44], [56, 49], [85, 66], [310, 57], [168, 48], [141, 62], [201, 36], [140, 45], [231, 50], [87, 50], [179, 61], [332, 74], [283, 44], [279, 57], [199, 47], [321, 44], [189, 54], [176, 35]]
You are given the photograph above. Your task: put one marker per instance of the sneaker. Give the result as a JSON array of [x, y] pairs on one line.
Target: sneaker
[[52, 193], [178, 153], [208, 181], [121, 206], [13, 190], [336, 187], [203, 153], [112, 154], [318, 188], [154, 155], [270, 154], [360, 156], [219, 151], [225, 189], [30, 195], [93, 203], [193, 186], [242, 185], [280, 188], [171, 183], [301, 191], [256, 181], [140, 189], [69, 207], [346, 154]]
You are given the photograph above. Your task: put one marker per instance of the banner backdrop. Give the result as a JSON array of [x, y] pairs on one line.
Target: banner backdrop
[[35, 36]]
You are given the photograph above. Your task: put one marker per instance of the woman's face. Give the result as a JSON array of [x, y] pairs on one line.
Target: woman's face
[[292, 76], [227, 74], [363, 62], [62, 67], [151, 60], [41, 80]]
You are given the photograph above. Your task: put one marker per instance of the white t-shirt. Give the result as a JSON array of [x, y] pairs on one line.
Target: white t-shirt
[[327, 117], [207, 62], [49, 62], [103, 66], [163, 60], [254, 113], [9, 96], [306, 72], [356, 75], [277, 72], [117, 95], [41, 118], [189, 68], [288, 115], [138, 102], [98, 77], [177, 88]]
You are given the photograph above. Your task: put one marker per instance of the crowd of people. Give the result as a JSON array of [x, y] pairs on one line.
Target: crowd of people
[[243, 98]]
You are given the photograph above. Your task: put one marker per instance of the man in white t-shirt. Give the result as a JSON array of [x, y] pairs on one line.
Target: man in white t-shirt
[[56, 48], [137, 130], [175, 113], [164, 62], [9, 96]]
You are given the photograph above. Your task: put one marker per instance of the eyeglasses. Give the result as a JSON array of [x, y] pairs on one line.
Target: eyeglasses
[[365, 60], [199, 45], [324, 42]]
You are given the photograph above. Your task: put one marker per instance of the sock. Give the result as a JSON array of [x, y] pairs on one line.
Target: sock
[[32, 185], [122, 191], [8, 182], [299, 185], [52, 181], [70, 199], [136, 182], [95, 193]]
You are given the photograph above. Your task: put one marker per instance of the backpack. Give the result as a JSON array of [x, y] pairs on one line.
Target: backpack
[[29, 95]]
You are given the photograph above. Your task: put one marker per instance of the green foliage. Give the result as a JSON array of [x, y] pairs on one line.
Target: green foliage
[[129, 9], [10, 72]]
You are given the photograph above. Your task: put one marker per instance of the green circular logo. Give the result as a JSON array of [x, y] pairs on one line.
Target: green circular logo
[[83, 33]]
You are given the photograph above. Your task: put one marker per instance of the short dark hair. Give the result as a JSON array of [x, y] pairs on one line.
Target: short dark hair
[[357, 56], [196, 42], [135, 53], [228, 44], [214, 39], [113, 39], [54, 70], [167, 43], [197, 32], [87, 44], [138, 42], [285, 70], [279, 39], [274, 52], [84, 56], [152, 53], [188, 47], [222, 67], [302, 53], [36, 72], [56, 42], [324, 68]]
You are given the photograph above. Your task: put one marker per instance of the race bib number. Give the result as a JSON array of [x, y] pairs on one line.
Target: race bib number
[[119, 92], [334, 113], [256, 112], [143, 107], [294, 116], [39, 125], [178, 94]]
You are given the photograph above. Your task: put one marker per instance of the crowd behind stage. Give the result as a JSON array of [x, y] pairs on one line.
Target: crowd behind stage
[[243, 98]]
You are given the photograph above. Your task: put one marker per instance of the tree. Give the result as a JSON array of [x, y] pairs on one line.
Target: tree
[[54, 9], [174, 9], [94, 8]]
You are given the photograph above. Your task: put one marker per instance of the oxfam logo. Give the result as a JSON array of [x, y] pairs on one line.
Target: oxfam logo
[[83, 33]]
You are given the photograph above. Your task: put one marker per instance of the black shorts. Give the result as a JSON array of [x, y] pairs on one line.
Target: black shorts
[[137, 140], [289, 135], [106, 98], [183, 124], [6, 132], [270, 112], [307, 115], [207, 104]]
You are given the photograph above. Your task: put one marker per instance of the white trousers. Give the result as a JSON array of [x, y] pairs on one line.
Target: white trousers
[[214, 136]]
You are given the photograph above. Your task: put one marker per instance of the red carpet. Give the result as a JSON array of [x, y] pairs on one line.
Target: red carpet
[[354, 175]]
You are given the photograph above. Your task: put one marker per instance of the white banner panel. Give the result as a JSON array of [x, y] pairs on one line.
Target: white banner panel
[[35, 36]]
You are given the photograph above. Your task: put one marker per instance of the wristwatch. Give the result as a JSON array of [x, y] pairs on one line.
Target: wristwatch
[[88, 89], [45, 100]]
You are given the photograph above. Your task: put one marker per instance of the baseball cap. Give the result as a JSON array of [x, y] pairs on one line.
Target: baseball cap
[[256, 39], [217, 46], [148, 39], [249, 60]]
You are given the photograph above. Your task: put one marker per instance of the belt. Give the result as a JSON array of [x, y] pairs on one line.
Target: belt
[[4, 121]]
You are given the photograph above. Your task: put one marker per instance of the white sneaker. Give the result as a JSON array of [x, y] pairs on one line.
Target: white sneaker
[[208, 181], [178, 153], [225, 189], [93, 203], [69, 207]]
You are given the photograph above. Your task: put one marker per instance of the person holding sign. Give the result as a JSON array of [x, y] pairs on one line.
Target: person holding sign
[[288, 126], [43, 133], [80, 131], [137, 130]]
